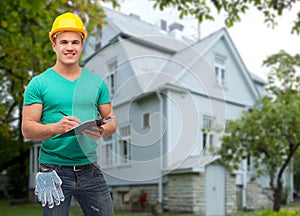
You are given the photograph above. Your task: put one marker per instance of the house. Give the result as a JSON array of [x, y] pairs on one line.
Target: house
[[169, 93]]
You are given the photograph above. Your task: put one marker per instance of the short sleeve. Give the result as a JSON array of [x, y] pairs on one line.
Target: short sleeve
[[32, 93], [104, 96]]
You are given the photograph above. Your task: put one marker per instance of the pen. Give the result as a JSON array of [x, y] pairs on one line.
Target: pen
[[62, 113]]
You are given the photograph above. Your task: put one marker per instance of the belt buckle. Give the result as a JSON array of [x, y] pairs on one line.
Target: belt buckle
[[76, 170]]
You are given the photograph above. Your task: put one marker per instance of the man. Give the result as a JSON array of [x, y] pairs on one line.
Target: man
[[56, 101]]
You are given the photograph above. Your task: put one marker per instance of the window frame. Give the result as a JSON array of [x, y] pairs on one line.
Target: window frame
[[220, 69], [107, 155], [112, 68], [146, 120], [124, 144], [207, 136]]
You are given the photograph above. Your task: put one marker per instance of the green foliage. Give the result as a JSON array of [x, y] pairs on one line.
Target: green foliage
[[18, 180], [280, 213], [296, 169], [233, 9], [269, 134], [25, 51]]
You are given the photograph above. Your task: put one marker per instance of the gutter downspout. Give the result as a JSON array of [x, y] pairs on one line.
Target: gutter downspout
[[244, 201], [160, 181]]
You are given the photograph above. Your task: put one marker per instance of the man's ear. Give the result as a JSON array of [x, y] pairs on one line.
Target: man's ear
[[53, 46]]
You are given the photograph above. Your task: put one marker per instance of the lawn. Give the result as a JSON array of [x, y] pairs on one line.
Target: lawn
[[34, 209], [27, 209]]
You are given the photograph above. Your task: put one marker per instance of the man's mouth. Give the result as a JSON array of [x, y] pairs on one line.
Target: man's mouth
[[69, 54]]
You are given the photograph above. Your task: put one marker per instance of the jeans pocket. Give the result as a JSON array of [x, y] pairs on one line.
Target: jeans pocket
[[97, 171]]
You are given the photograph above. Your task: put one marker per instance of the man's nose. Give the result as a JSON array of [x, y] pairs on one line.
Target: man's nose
[[70, 46]]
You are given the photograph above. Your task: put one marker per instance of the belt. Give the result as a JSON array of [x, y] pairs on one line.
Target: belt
[[48, 167], [78, 168]]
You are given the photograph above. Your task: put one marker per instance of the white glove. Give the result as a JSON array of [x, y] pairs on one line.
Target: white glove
[[48, 188]]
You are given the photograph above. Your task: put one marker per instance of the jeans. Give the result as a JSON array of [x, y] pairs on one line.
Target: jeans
[[88, 187]]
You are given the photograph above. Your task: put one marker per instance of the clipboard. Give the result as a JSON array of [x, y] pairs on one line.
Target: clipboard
[[87, 125]]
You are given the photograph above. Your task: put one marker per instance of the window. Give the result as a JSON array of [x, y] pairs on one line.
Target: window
[[146, 120], [98, 39], [110, 78], [124, 145], [163, 25], [207, 122], [220, 69], [124, 151], [98, 46], [207, 135], [227, 122], [125, 197], [107, 159]]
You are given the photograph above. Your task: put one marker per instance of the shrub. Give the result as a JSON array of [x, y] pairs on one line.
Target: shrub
[[280, 213]]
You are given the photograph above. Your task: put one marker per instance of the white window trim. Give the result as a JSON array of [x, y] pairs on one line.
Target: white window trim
[[125, 135], [210, 136], [108, 154], [222, 69], [112, 67], [121, 159]]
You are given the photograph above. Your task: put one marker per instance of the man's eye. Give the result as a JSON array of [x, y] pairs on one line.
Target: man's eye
[[76, 42]]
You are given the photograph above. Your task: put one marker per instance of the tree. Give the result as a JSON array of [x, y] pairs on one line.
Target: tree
[[25, 51], [270, 132], [267, 111], [233, 9]]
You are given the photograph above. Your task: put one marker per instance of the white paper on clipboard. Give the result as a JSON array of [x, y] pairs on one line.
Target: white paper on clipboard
[[85, 125]]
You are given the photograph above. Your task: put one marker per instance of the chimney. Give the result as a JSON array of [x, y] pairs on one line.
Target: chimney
[[176, 26], [176, 30], [162, 24]]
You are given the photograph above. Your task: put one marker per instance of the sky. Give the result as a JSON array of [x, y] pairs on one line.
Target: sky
[[252, 37]]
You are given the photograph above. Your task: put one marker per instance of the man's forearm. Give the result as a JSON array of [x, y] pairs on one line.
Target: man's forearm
[[109, 128], [37, 131]]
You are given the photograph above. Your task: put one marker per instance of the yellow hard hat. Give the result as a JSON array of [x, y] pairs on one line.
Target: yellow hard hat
[[67, 22]]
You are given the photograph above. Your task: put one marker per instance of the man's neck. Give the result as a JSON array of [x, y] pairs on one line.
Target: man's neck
[[69, 72]]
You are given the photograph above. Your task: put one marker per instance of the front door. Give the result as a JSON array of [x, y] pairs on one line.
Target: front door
[[215, 190]]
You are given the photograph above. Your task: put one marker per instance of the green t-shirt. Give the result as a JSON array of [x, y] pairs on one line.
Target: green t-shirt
[[79, 98]]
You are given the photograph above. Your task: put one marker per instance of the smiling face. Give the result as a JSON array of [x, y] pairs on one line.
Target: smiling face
[[68, 47]]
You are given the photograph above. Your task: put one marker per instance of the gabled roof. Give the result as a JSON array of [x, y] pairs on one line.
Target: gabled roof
[[208, 42], [203, 46], [258, 80], [184, 60], [133, 27], [149, 35]]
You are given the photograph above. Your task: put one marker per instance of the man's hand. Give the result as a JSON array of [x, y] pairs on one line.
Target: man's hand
[[94, 134], [66, 123], [48, 188], [97, 131]]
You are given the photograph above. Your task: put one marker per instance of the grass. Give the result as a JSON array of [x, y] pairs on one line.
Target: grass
[[28, 209], [34, 209]]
